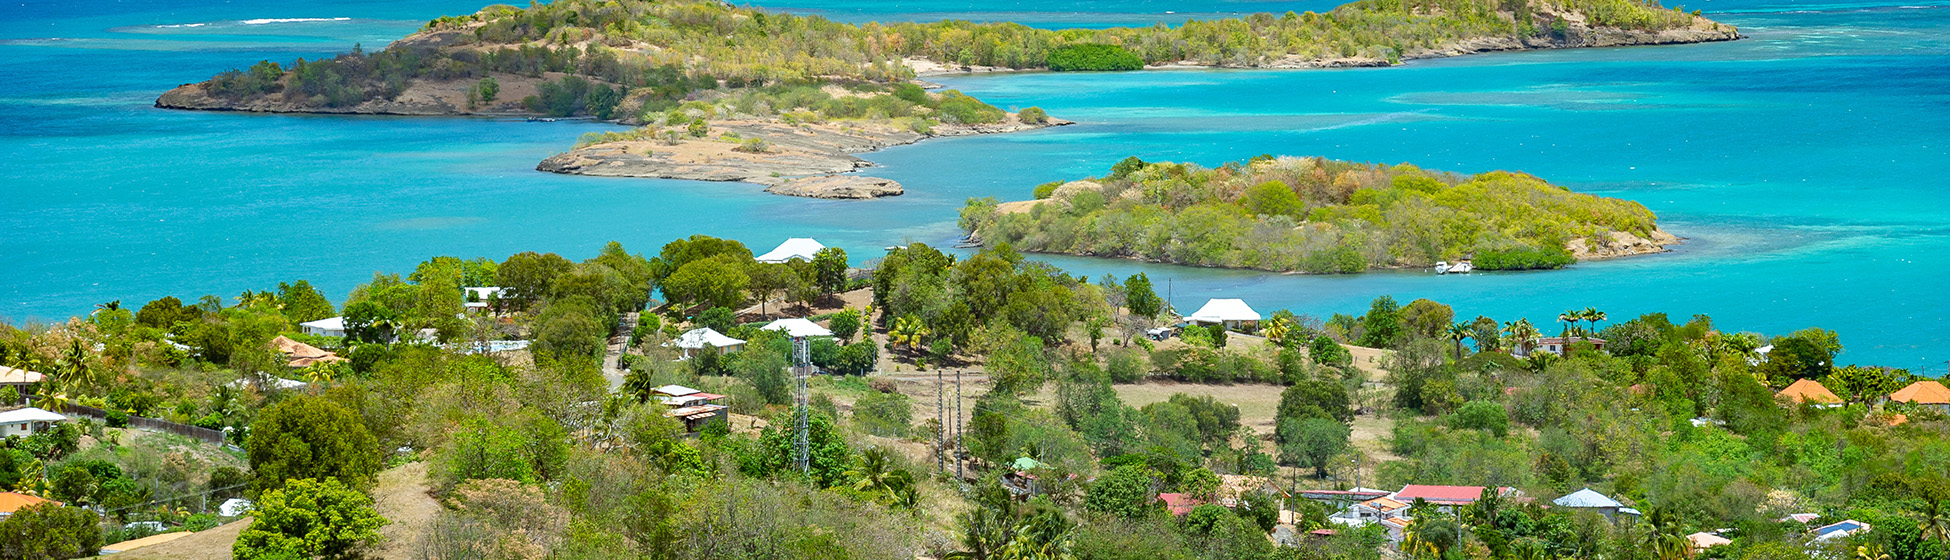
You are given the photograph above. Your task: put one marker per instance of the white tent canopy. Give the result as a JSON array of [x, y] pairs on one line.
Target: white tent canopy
[[1224, 311], [798, 328], [801, 248], [30, 415], [698, 339]]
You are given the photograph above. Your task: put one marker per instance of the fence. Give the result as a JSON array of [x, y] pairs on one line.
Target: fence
[[151, 424]]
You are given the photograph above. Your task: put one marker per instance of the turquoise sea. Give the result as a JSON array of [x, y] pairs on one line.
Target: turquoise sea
[[1806, 164]]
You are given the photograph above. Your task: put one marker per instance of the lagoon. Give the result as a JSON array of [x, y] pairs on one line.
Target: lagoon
[[1803, 163]]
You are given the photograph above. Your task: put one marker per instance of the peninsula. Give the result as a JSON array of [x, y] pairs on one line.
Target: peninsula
[[817, 91], [1313, 215]]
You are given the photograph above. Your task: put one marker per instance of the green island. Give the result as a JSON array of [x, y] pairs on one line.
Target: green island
[[989, 407], [1317, 216], [687, 72]]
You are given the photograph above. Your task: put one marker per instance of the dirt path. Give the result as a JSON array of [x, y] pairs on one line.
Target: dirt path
[[213, 544], [613, 353], [401, 497]]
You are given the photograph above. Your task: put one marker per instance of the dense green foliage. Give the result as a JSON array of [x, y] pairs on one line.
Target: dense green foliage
[[309, 519], [50, 532], [1311, 215], [1093, 57]]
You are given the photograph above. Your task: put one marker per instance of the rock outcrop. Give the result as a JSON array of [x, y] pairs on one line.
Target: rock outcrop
[[1622, 244], [838, 186], [793, 155]]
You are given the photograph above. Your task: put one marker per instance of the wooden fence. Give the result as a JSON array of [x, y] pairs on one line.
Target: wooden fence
[[139, 422]]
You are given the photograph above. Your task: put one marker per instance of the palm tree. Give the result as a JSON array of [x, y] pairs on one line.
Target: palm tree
[[1593, 316], [1570, 318], [1933, 518], [908, 331], [875, 472], [1276, 329], [1456, 334], [1522, 334], [1665, 538]]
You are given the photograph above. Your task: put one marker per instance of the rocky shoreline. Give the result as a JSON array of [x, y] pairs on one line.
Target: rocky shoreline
[[799, 160]]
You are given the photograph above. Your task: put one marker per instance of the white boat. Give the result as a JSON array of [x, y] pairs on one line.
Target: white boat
[[1461, 267]]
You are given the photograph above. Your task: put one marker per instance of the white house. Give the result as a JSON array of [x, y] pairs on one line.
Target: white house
[[26, 421], [702, 338], [1233, 313], [800, 248], [334, 326], [797, 328], [477, 297]]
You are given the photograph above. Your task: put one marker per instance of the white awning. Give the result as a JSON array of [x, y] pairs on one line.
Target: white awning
[[30, 415], [699, 338], [1224, 310], [802, 248], [797, 328]]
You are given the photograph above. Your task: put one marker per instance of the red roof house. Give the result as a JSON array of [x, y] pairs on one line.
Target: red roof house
[[1445, 495], [1179, 504]]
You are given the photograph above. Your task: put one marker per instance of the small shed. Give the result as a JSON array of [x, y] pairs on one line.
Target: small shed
[[27, 421], [702, 338], [797, 328], [797, 248], [1233, 313], [334, 326], [1810, 391]]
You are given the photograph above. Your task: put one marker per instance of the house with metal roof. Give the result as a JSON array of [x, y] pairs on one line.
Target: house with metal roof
[[1591, 500], [330, 326], [797, 328], [699, 339]]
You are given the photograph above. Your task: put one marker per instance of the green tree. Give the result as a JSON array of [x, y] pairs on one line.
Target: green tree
[[884, 414], [829, 269], [488, 88], [309, 519], [302, 303], [717, 281], [1273, 198], [1140, 298], [311, 437], [48, 531], [1382, 326], [528, 277], [1487, 416], [1312, 442], [1315, 398], [844, 324], [1124, 492]]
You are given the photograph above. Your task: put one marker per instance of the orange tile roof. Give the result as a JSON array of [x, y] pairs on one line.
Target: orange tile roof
[[1923, 392], [13, 501], [1809, 390], [1898, 419], [1384, 504]]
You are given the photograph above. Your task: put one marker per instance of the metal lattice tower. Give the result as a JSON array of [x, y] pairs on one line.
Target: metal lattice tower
[[802, 369]]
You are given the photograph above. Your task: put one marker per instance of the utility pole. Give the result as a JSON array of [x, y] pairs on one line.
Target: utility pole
[[958, 427], [802, 456], [940, 422]]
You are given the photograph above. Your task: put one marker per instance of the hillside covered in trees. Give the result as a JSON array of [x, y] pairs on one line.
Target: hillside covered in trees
[[1078, 429], [1318, 216], [637, 56]]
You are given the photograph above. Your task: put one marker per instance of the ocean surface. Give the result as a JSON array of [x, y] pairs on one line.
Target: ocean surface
[[1805, 164]]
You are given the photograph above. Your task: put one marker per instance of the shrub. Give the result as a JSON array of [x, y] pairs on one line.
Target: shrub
[[309, 519], [959, 107], [1481, 415], [753, 146], [884, 414], [118, 419], [311, 437], [1524, 258], [1032, 115], [913, 94], [1093, 57]]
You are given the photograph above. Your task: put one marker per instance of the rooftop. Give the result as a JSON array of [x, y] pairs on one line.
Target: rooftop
[[30, 415], [1809, 390], [1221, 310], [1586, 498], [12, 375], [797, 328], [1923, 392]]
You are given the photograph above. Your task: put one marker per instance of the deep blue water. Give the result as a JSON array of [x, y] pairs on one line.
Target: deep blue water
[[1805, 163]]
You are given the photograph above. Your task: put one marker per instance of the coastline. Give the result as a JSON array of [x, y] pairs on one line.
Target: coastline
[[1618, 252]]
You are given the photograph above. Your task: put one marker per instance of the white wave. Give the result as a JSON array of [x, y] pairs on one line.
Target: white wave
[[177, 25], [290, 20]]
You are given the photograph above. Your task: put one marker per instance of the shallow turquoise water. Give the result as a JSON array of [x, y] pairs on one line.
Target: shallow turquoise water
[[1804, 163]]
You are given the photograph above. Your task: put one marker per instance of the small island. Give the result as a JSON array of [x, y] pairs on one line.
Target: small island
[[742, 94], [1318, 216]]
